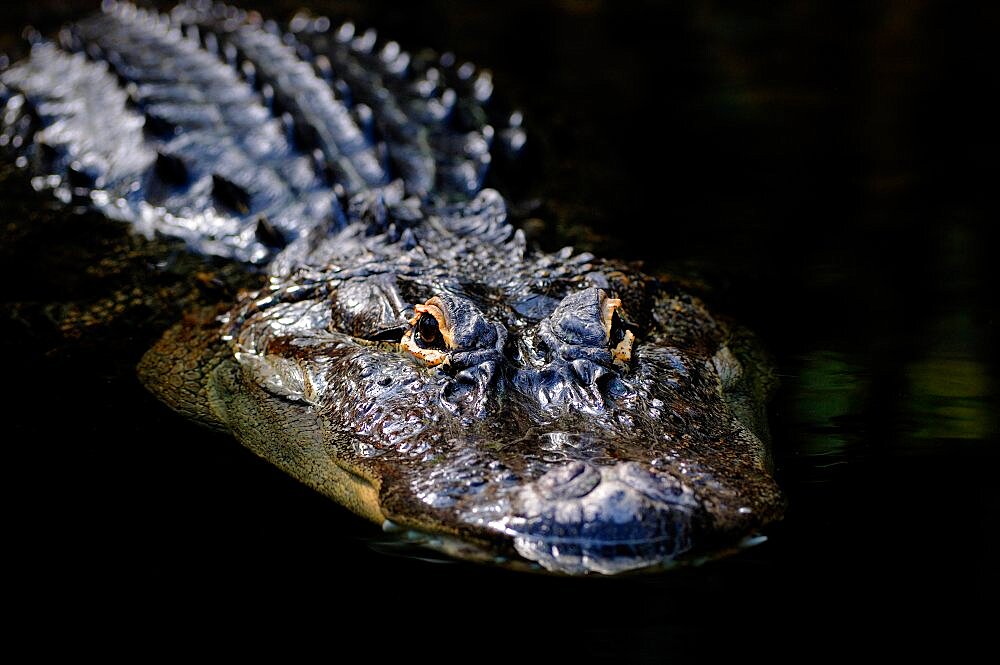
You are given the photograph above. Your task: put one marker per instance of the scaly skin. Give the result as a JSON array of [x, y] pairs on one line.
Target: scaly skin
[[411, 357]]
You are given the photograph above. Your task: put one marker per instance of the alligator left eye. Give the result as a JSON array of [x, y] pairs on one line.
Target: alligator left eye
[[429, 337], [428, 333]]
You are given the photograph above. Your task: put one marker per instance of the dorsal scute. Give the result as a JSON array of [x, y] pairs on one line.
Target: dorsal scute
[[244, 137]]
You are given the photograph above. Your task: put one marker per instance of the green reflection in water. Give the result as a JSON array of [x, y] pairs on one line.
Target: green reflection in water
[[949, 399], [829, 388]]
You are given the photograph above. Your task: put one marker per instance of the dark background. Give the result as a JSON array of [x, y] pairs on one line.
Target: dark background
[[828, 169]]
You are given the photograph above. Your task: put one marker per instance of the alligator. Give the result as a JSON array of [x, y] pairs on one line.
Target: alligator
[[409, 355]]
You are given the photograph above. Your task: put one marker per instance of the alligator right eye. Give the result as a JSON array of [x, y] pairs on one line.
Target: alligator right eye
[[620, 337], [617, 329]]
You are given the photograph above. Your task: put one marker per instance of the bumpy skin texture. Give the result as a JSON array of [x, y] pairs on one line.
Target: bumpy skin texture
[[411, 357]]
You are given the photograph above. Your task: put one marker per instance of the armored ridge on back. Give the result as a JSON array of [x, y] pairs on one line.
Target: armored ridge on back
[[411, 357]]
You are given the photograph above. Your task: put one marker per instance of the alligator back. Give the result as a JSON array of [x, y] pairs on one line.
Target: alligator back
[[212, 126]]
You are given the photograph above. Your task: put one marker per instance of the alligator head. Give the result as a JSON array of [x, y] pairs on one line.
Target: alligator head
[[534, 407]]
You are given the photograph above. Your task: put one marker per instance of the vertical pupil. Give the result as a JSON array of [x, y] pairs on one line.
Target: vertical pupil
[[427, 326], [617, 330]]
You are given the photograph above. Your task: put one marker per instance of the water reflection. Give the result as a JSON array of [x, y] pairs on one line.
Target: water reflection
[[949, 398], [827, 393], [942, 401]]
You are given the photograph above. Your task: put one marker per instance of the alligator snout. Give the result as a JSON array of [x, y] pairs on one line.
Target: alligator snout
[[581, 517]]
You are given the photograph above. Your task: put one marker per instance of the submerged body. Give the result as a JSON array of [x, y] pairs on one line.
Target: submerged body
[[411, 357]]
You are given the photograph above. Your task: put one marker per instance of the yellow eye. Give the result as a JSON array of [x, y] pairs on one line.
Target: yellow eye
[[429, 337], [428, 333], [620, 338], [617, 329]]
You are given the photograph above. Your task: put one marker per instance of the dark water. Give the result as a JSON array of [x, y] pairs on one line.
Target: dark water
[[830, 170]]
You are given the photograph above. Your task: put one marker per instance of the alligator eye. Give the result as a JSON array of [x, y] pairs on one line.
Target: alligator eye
[[428, 333], [429, 337], [620, 338], [617, 329]]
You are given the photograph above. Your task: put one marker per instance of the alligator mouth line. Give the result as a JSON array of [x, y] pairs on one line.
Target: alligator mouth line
[[566, 540], [459, 549]]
